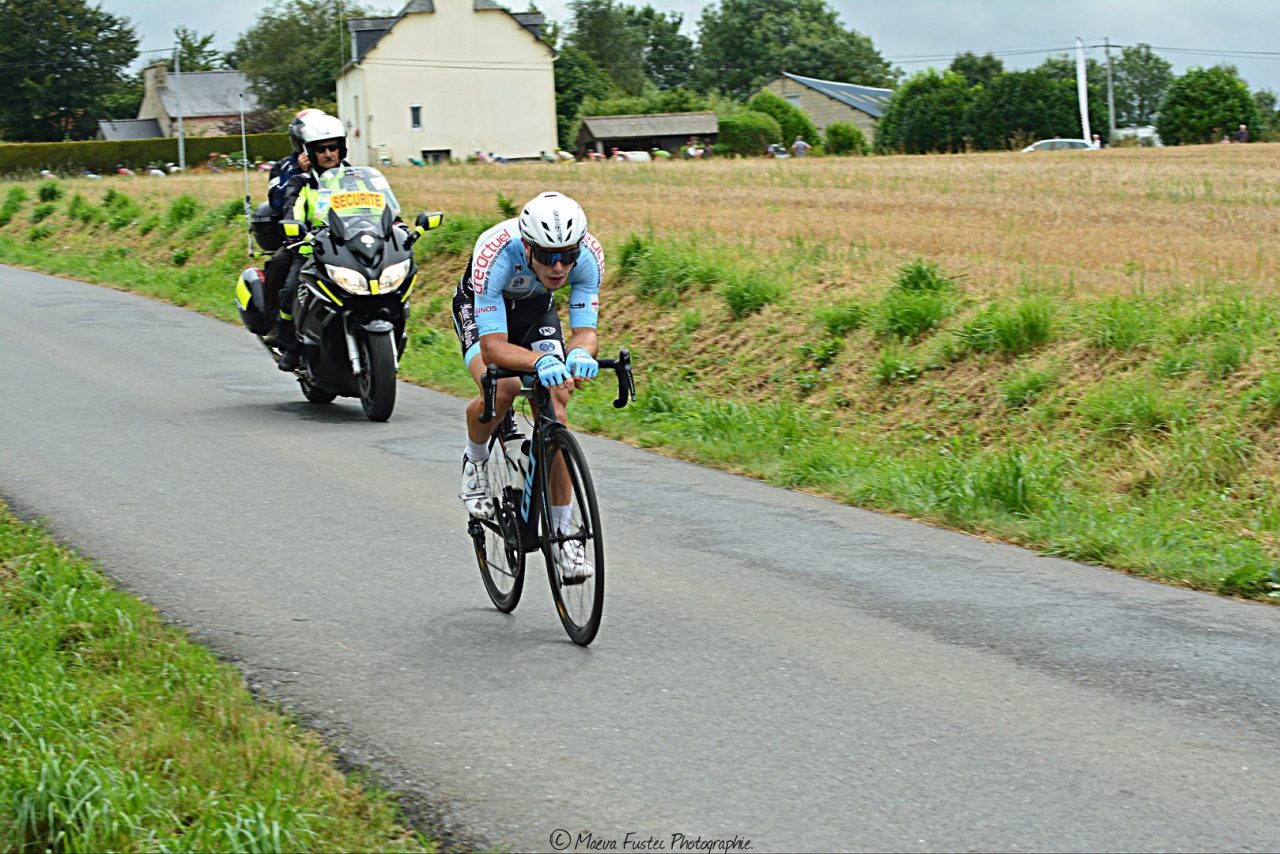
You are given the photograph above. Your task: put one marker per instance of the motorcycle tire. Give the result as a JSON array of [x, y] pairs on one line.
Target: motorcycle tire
[[378, 382], [315, 394]]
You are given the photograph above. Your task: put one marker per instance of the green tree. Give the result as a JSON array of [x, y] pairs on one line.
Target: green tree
[[977, 69], [668, 55], [1203, 104], [292, 53], [652, 101], [745, 43], [62, 61], [577, 79], [604, 31], [792, 121], [1140, 78], [927, 113], [196, 51], [1265, 101], [1019, 106], [1062, 70]]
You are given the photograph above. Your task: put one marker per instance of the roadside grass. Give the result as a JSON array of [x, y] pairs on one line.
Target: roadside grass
[[119, 734], [1120, 409]]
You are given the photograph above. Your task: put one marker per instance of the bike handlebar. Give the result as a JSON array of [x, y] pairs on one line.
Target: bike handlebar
[[621, 366]]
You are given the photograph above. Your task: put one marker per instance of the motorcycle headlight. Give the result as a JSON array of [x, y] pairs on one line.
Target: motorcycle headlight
[[393, 276], [349, 280]]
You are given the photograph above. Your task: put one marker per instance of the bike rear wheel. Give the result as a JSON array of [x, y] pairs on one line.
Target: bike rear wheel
[[499, 551], [579, 603]]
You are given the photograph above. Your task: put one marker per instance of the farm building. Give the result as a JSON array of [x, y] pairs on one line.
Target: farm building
[[826, 101], [668, 131], [210, 103]]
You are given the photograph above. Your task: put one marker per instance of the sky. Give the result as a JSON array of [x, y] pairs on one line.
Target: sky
[[911, 34]]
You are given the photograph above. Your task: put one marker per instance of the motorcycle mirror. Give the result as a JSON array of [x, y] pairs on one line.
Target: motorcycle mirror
[[388, 220], [427, 221]]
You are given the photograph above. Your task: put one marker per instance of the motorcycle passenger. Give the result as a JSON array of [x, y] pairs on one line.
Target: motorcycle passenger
[[324, 142], [504, 314], [278, 180]]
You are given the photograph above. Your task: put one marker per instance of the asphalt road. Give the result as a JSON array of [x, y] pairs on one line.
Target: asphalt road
[[772, 667]]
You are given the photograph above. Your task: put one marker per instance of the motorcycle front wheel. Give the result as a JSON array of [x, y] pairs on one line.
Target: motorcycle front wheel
[[378, 379]]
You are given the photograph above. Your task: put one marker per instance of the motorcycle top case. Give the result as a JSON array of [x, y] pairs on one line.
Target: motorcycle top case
[[266, 228], [251, 302]]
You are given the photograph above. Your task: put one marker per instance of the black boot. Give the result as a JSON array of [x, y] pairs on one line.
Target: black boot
[[290, 346]]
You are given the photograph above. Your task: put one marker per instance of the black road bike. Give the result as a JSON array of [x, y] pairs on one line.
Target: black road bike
[[523, 472]]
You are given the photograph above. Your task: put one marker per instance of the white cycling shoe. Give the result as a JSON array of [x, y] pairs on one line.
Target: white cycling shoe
[[571, 561], [475, 488]]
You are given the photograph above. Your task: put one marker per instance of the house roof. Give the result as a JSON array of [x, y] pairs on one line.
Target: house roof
[[116, 129], [651, 124], [869, 99], [369, 31], [207, 93]]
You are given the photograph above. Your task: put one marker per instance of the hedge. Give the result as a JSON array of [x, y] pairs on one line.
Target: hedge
[[105, 155]]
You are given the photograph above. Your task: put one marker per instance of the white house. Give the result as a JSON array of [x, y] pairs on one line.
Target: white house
[[445, 79]]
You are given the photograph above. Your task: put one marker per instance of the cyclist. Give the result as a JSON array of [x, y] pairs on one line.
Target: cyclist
[[504, 313]]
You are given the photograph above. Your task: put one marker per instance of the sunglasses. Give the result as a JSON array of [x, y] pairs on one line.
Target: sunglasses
[[323, 149], [549, 257]]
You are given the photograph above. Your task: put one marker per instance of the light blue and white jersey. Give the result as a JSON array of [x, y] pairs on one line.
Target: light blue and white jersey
[[499, 273]]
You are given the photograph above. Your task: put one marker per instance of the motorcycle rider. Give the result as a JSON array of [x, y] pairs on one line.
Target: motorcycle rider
[[504, 314], [324, 144], [281, 173]]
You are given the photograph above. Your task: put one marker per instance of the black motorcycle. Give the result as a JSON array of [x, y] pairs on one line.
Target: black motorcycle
[[352, 303]]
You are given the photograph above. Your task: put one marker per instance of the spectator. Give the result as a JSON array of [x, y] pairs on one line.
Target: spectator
[[546, 157], [1096, 142], [481, 156], [1242, 135], [564, 156], [615, 153], [693, 148], [659, 153], [800, 148]]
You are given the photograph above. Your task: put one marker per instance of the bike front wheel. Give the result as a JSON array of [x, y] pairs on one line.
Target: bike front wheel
[[499, 551], [572, 543]]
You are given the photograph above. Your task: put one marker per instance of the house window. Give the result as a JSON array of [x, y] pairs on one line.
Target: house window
[[415, 116], [793, 100]]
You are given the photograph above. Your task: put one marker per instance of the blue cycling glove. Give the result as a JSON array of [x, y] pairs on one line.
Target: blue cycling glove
[[581, 364], [551, 371]]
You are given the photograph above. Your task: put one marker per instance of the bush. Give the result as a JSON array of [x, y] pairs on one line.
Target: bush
[[49, 191], [791, 120], [748, 133], [845, 138]]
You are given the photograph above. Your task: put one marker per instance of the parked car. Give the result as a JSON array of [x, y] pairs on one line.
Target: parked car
[[1059, 145]]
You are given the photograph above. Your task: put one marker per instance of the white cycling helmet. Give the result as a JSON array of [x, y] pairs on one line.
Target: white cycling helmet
[[321, 128], [552, 221]]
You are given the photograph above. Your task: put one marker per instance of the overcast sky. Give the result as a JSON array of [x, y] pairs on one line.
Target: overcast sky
[[912, 34]]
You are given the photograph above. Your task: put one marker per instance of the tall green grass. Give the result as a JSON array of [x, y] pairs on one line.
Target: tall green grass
[[117, 734]]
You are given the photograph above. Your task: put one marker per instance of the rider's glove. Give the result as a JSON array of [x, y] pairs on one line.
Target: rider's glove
[[581, 364], [551, 371]]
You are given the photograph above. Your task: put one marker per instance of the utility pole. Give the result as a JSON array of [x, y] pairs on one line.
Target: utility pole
[[1111, 93], [177, 91]]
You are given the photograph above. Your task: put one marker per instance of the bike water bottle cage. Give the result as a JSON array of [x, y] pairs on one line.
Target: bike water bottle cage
[[548, 257]]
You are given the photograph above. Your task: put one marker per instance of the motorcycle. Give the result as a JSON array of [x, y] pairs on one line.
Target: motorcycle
[[352, 302]]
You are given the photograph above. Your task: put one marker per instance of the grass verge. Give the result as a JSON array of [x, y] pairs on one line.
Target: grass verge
[[118, 734]]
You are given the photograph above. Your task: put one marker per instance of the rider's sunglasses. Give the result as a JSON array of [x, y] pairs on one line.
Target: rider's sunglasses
[[333, 146], [549, 257]]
